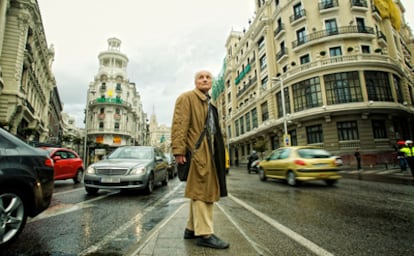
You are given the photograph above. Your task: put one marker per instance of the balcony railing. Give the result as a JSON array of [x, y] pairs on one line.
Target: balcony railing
[[298, 15], [281, 53], [330, 32], [327, 4]]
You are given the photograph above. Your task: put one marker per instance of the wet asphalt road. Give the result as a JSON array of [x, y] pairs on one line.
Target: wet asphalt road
[[355, 217]]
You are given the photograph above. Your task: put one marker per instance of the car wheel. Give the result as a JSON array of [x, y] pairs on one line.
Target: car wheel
[[165, 181], [91, 191], [13, 216], [79, 176], [330, 182], [262, 175], [150, 185], [291, 178]]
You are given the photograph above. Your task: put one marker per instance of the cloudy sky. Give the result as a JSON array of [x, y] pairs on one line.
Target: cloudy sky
[[166, 42]]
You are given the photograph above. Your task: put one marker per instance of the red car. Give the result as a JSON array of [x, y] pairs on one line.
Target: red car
[[68, 164]]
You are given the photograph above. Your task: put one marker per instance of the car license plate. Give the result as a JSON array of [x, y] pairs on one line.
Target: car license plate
[[110, 180]]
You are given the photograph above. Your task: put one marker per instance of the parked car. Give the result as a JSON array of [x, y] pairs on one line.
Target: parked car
[[300, 163], [172, 166], [128, 167], [68, 164], [26, 185]]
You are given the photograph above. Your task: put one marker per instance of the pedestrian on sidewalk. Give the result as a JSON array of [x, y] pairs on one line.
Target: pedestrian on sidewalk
[[409, 154], [206, 182], [357, 155], [401, 158]]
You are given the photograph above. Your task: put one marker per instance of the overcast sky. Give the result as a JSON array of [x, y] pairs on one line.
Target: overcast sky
[[166, 42]]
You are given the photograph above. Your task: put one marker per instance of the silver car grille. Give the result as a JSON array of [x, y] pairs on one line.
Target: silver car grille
[[112, 171]]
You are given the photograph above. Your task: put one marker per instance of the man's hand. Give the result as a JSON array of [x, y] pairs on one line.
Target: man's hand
[[180, 159]]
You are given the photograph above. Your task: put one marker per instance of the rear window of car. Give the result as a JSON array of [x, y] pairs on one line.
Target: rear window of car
[[313, 153]]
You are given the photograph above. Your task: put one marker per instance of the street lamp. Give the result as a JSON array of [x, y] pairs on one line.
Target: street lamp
[[286, 137], [86, 126]]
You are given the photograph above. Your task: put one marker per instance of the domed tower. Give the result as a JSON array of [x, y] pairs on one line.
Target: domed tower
[[114, 112]]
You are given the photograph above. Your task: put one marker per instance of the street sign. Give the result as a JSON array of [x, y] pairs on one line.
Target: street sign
[[286, 140]]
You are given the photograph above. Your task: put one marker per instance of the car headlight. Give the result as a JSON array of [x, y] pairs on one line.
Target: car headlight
[[137, 170], [90, 170]]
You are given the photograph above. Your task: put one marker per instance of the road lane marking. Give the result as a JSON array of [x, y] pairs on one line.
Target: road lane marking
[[252, 243], [112, 235], [155, 232], [66, 192], [66, 208], [285, 230]]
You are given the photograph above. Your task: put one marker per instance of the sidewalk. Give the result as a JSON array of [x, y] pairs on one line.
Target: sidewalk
[[389, 175], [167, 238]]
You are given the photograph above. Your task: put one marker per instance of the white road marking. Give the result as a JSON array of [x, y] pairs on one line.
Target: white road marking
[[65, 208], [111, 236], [290, 233], [252, 243]]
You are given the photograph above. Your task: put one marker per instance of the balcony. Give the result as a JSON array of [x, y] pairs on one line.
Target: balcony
[[281, 53], [326, 5], [301, 14], [382, 39], [279, 31], [326, 33], [359, 5]]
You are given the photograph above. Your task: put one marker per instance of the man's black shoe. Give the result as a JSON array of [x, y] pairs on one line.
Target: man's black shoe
[[213, 242], [189, 234]]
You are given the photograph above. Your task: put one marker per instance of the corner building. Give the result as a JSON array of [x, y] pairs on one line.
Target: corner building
[[114, 112], [346, 69]]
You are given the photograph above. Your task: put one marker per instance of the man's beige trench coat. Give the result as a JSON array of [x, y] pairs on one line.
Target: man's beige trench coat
[[206, 178]]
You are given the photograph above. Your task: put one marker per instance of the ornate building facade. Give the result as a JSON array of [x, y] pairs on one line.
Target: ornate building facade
[[29, 101], [337, 74], [114, 112]]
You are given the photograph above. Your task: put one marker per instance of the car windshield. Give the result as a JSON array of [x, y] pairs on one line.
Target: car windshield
[[132, 153], [313, 153]]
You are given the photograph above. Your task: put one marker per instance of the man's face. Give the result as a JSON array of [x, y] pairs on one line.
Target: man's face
[[203, 81]]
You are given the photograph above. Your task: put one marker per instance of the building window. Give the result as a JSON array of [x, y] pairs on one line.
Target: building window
[[331, 27], [275, 142], [247, 119], [116, 126], [263, 62], [229, 131], [304, 59], [261, 43], [398, 89], [265, 111], [293, 137], [365, 49], [102, 110], [347, 130], [117, 111], [229, 97], [298, 11], [307, 94], [378, 86], [236, 126], [335, 51], [379, 130], [101, 125], [279, 102], [301, 36], [314, 134], [264, 83], [343, 88], [255, 124], [118, 87], [241, 122]]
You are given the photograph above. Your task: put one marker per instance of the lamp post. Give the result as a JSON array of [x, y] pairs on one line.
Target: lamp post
[[286, 137], [85, 159]]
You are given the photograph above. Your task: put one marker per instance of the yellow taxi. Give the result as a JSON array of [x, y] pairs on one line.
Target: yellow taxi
[[300, 163]]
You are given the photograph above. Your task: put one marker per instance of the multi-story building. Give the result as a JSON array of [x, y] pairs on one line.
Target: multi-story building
[[26, 80], [337, 74], [114, 112], [160, 135]]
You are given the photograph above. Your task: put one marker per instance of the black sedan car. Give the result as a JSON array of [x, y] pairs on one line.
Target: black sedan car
[[26, 184], [126, 168]]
